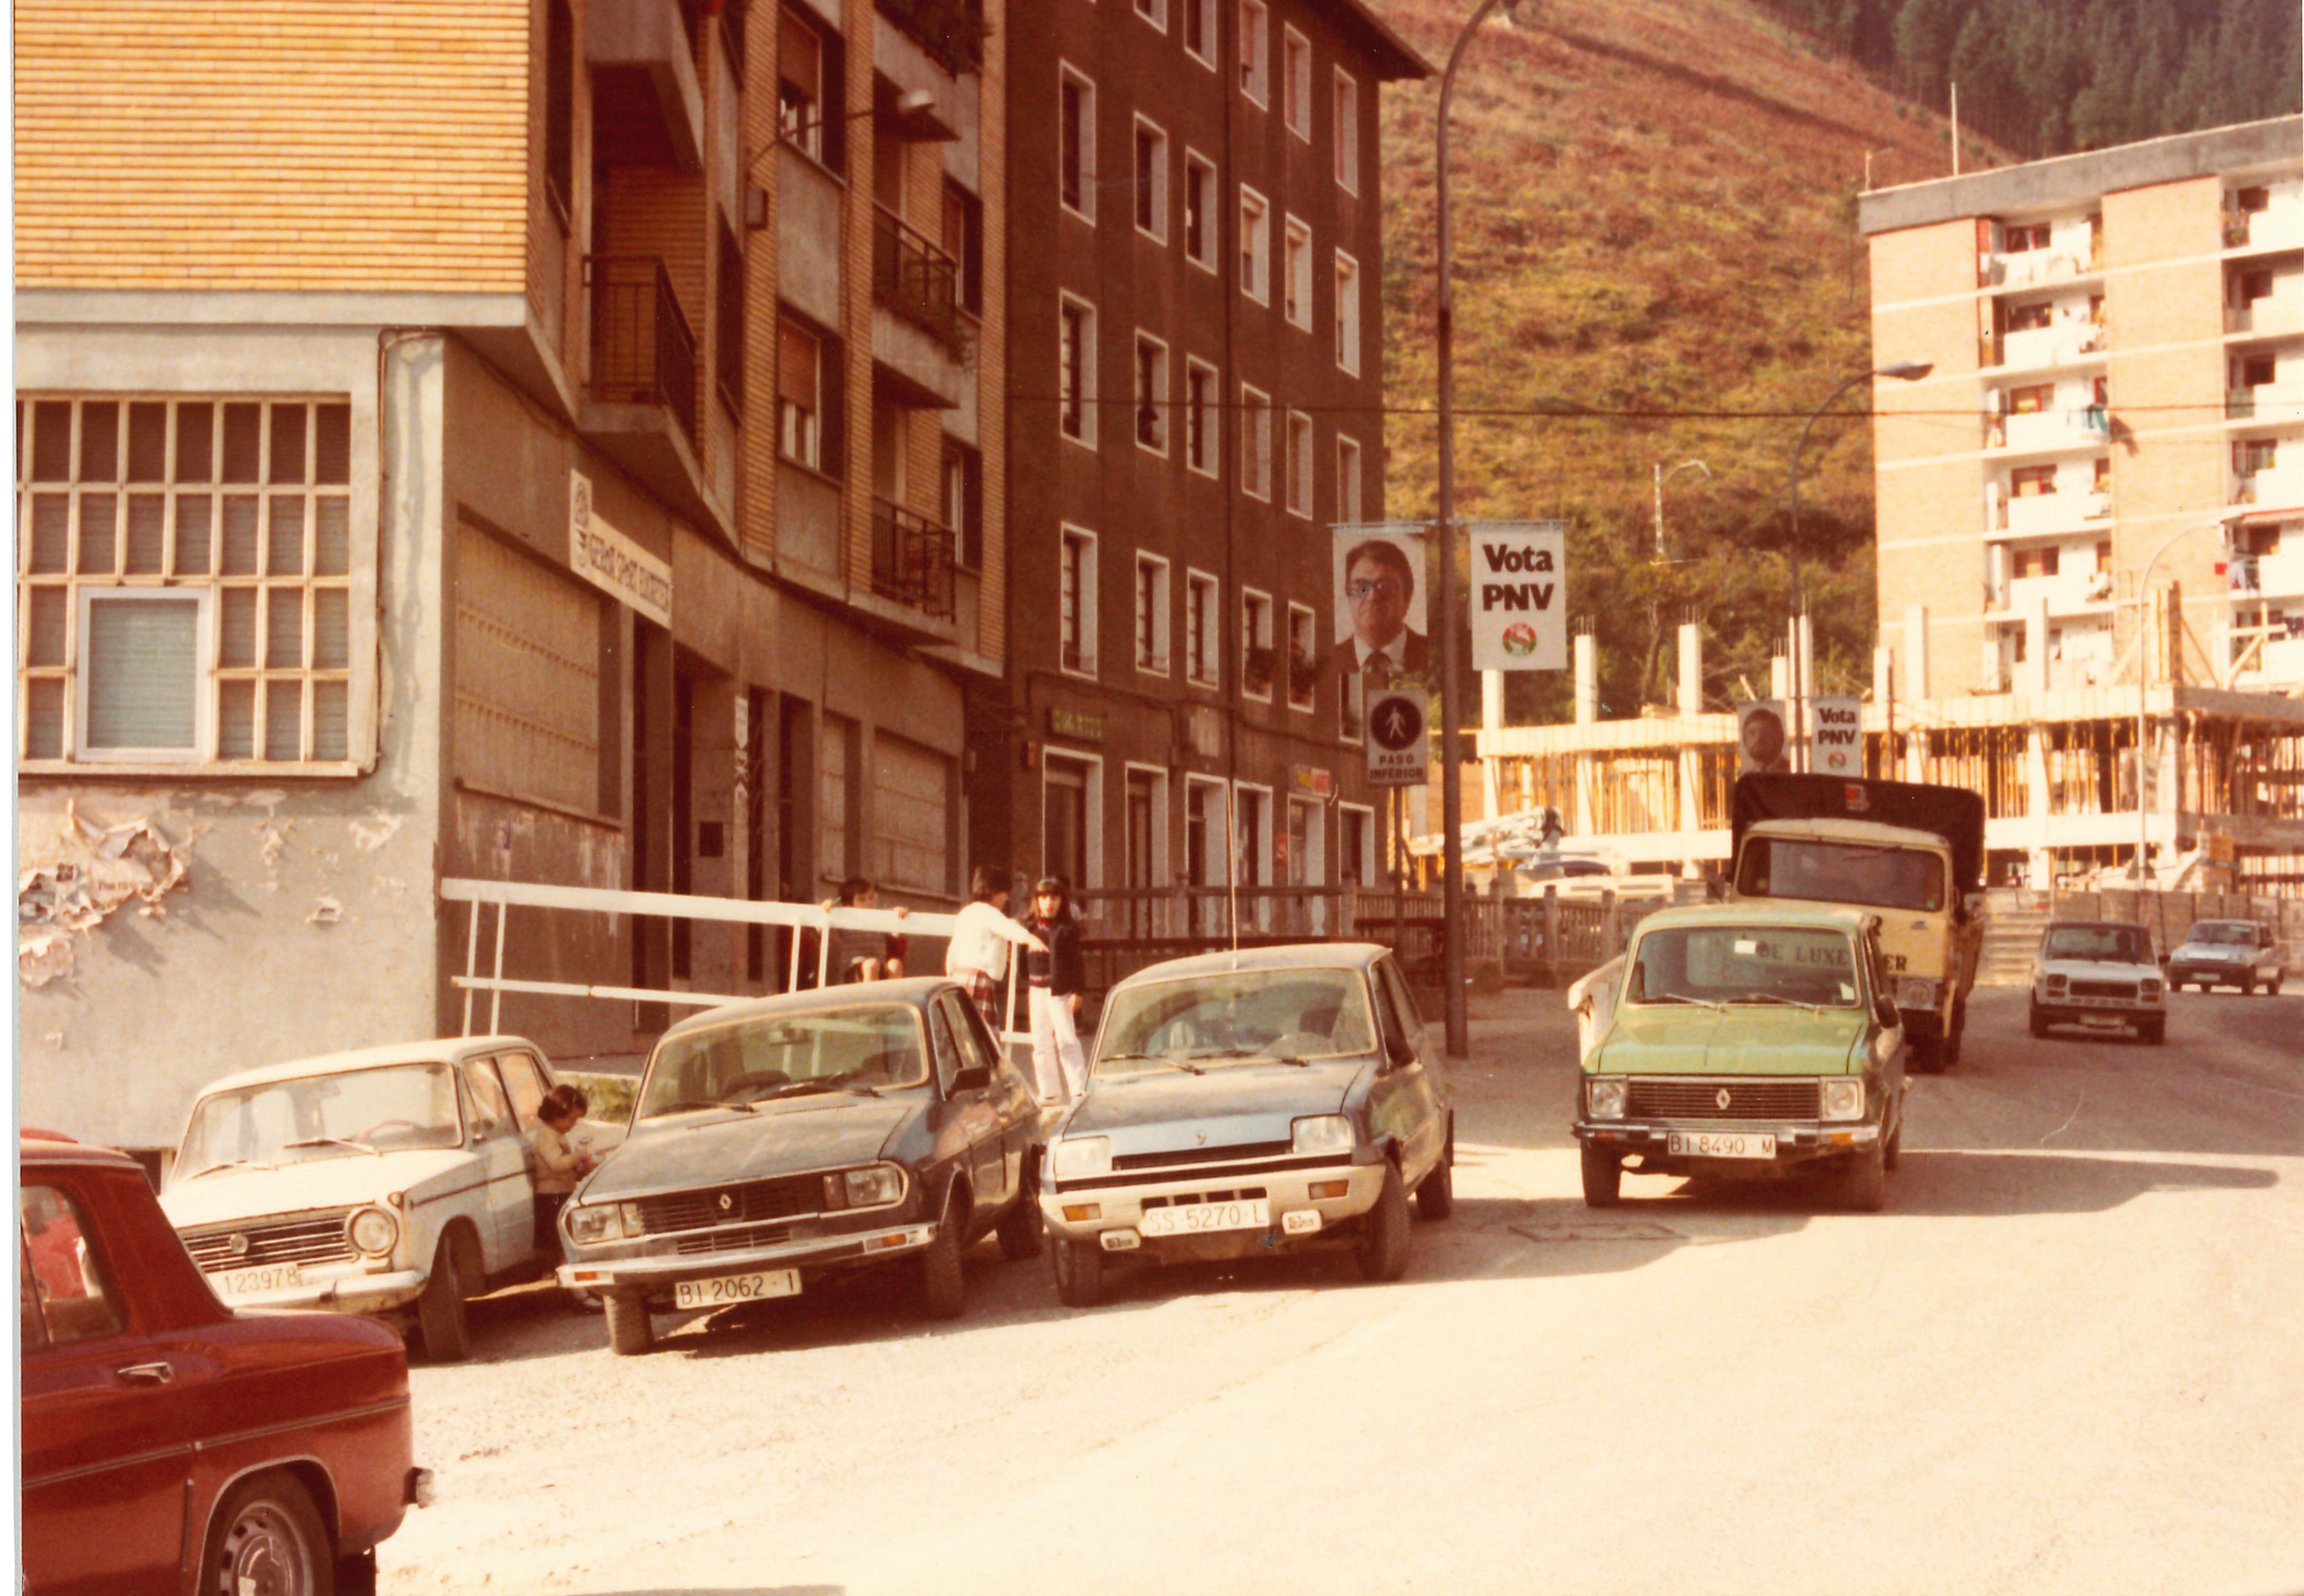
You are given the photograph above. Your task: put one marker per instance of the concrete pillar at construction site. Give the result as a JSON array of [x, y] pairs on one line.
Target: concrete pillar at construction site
[[1884, 699], [1780, 678], [1692, 757], [1691, 668], [2033, 677], [1587, 678], [1916, 653], [2040, 868], [1492, 721], [1916, 756]]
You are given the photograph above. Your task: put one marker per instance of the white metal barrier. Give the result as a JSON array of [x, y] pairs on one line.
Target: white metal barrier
[[508, 895]]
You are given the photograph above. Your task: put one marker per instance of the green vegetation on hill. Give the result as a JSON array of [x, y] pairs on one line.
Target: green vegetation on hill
[[1656, 261]]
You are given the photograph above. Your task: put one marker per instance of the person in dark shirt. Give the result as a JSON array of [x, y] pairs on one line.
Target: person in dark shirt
[[1058, 978], [865, 955]]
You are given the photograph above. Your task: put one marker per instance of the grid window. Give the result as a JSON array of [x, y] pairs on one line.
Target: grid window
[[1255, 52], [1255, 444], [1348, 313], [1200, 29], [1076, 601], [1256, 656], [1255, 247], [1200, 629], [1202, 422], [1151, 394], [1296, 274], [1348, 481], [1200, 211], [799, 396], [1348, 133], [1300, 463], [1151, 181], [1076, 370], [184, 580], [1076, 143], [1303, 653], [1296, 84], [1152, 614], [1155, 11]]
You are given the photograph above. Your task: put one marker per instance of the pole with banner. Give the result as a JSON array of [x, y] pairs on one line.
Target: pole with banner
[[1520, 595], [1837, 740]]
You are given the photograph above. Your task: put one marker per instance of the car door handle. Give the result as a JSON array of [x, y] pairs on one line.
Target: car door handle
[[158, 1372]]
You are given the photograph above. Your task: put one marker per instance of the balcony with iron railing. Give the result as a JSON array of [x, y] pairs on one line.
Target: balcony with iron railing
[[912, 559], [914, 277], [643, 350]]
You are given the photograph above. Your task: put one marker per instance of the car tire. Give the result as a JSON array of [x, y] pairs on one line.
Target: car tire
[[1891, 1151], [943, 1287], [440, 1311], [2153, 1031], [356, 1576], [1079, 1269], [1022, 1231], [1864, 1181], [267, 1531], [2040, 1023], [2248, 986], [2272, 987], [631, 1331], [1604, 1175], [1435, 1197], [1384, 1251]]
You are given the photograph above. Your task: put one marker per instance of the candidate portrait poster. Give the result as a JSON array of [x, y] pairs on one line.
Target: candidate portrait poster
[[1381, 630]]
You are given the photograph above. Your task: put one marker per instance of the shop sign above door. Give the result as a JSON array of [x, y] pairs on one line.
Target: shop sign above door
[[612, 561]]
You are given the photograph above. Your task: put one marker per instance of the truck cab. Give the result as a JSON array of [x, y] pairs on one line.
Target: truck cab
[[1911, 854]]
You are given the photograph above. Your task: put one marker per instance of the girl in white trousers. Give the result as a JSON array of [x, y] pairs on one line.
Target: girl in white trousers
[[1058, 1062]]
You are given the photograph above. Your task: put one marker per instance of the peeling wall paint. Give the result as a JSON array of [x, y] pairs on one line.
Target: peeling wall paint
[[70, 880]]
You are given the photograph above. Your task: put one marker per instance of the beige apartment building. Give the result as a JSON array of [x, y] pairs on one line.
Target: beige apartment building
[[2094, 503], [547, 440]]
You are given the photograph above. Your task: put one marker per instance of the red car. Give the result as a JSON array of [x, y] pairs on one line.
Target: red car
[[171, 1445]]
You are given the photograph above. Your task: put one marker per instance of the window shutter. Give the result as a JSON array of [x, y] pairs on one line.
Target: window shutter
[[795, 365], [143, 672]]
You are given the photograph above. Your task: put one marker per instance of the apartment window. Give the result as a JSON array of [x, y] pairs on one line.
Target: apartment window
[[2249, 286], [2032, 482], [1076, 370], [1255, 444], [1296, 274], [1255, 53], [185, 569], [1076, 601], [1255, 247], [2254, 371], [1152, 614], [1200, 211], [1200, 629], [1300, 463], [2035, 563], [2032, 400], [1296, 88], [560, 108], [2029, 319], [1151, 394], [799, 396], [2018, 240], [964, 240], [1151, 181], [1348, 313], [1200, 29], [728, 311], [2252, 455], [1256, 657], [1200, 419], [1348, 481], [1076, 144], [809, 90], [1302, 651], [1155, 11], [963, 502], [1348, 133]]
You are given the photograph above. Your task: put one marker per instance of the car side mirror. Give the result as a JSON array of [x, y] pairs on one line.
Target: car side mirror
[[974, 1079], [1397, 1053], [1887, 1015]]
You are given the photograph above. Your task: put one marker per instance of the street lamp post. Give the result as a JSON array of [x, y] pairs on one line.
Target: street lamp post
[[1449, 631], [2144, 692], [1904, 371], [1663, 554]]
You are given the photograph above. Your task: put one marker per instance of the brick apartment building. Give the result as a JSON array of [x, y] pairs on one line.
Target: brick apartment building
[[1196, 382], [554, 440]]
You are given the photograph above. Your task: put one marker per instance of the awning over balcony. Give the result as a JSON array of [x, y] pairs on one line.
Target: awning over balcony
[[647, 109]]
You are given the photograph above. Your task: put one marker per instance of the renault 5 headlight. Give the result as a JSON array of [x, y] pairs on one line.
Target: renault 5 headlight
[[372, 1232], [1078, 1157], [594, 1222], [1843, 1100], [1322, 1132], [2055, 981], [1603, 1096]]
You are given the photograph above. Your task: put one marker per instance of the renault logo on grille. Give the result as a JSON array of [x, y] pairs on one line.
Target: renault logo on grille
[[236, 1247], [727, 1200], [1721, 1097]]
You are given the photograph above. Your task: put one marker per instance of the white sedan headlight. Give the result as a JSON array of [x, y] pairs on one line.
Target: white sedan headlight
[[2148, 990], [1604, 1097], [595, 1221], [1078, 1157], [1843, 1100], [2055, 981], [1323, 1133], [372, 1232]]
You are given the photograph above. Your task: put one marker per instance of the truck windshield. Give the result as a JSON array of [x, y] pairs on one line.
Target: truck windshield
[[1744, 964], [1840, 872]]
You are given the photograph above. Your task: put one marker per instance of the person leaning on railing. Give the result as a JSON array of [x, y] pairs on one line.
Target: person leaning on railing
[[978, 954]]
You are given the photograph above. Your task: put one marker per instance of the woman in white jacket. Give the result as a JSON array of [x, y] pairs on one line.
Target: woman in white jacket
[[978, 954]]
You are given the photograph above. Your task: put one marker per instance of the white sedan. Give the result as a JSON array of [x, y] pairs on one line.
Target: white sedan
[[2099, 974], [394, 1181]]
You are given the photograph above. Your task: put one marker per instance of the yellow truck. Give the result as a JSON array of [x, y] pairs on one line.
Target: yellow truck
[[1911, 854]]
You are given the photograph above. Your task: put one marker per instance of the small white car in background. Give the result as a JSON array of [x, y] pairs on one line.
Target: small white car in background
[[2227, 953], [2100, 974], [394, 1181]]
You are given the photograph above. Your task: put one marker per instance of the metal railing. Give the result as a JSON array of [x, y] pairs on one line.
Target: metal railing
[[643, 350], [916, 279], [911, 560]]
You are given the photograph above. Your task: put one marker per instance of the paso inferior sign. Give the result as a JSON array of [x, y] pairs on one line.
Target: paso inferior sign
[[1398, 737], [1520, 595]]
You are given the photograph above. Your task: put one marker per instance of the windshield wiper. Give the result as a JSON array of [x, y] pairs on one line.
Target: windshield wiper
[[229, 1163], [1674, 997], [1755, 997], [330, 1142], [829, 1083], [689, 1105], [1186, 1064]]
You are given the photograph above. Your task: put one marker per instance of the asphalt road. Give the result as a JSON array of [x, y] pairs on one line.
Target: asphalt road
[[2069, 1357]]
